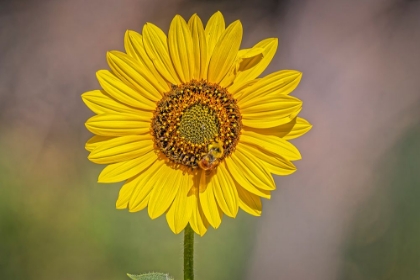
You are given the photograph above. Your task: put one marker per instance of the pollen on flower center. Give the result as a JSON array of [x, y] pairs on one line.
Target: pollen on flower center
[[196, 124]]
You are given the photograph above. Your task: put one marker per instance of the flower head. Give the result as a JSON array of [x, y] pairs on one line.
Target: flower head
[[185, 121]]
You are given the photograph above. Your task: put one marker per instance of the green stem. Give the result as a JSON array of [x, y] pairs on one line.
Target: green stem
[[188, 253]]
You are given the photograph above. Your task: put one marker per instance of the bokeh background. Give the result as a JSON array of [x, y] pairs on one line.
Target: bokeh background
[[351, 211]]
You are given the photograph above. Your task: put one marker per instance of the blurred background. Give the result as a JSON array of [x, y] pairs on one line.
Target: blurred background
[[351, 211]]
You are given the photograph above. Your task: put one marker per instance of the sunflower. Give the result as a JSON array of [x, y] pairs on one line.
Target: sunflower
[[185, 121]]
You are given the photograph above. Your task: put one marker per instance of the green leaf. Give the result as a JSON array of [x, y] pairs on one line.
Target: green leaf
[[151, 276]]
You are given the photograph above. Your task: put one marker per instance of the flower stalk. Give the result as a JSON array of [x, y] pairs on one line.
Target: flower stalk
[[188, 253]]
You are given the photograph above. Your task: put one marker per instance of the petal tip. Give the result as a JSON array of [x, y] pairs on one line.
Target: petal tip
[[237, 23], [120, 206], [113, 53], [103, 179], [152, 213], [101, 72], [84, 96]]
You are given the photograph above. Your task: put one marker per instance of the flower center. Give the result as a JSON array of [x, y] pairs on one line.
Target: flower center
[[196, 124]]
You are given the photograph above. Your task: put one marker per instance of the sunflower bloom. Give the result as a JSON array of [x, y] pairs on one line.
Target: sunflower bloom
[[185, 121]]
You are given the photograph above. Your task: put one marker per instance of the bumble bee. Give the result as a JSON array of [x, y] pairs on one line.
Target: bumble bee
[[211, 159]]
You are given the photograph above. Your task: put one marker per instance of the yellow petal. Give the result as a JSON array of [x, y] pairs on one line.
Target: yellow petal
[[249, 202], [274, 163], [252, 64], [129, 71], [277, 83], [225, 52], [271, 144], [225, 191], [101, 102], [125, 193], [181, 209], [181, 49], [198, 220], [121, 149], [241, 179], [295, 114], [200, 48], [252, 53], [255, 172], [230, 76], [122, 92], [266, 103], [214, 30], [95, 141], [119, 124], [156, 45], [237, 91], [134, 46], [252, 121], [246, 54], [268, 111], [145, 183], [124, 170], [164, 191], [207, 199], [296, 128]]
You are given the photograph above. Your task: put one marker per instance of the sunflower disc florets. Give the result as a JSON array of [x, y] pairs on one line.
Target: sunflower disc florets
[[192, 119]]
